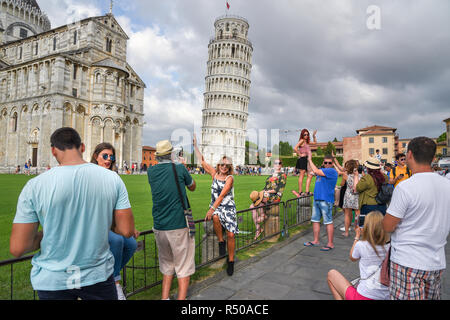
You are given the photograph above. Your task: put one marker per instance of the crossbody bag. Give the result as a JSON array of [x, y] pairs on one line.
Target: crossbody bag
[[187, 211]]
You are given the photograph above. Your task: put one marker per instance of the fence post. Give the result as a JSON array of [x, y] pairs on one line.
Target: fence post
[[285, 232]]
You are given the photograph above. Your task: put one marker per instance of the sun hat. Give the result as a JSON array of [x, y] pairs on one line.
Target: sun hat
[[163, 147], [257, 197], [373, 163]]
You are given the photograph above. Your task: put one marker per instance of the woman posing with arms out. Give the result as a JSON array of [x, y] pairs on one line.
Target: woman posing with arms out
[[303, 149], [122, 248], [273, 191], [370, 252], [222, 209]]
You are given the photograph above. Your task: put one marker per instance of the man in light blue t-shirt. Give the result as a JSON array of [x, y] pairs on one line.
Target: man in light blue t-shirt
[[75, 203], [326, 179]]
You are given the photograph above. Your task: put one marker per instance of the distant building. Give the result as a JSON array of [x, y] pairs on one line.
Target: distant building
[[148, 156], [339, 145], [370, 139], [403, 145]]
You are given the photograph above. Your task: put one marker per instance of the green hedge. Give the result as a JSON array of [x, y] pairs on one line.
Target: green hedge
[[292, 161]]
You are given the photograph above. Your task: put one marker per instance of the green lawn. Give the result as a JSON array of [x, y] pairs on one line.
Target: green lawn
[[140, 198]]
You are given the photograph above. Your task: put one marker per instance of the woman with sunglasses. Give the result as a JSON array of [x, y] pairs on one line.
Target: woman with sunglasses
[[222, 209], [303, 149], [273, 191], [122, 248]]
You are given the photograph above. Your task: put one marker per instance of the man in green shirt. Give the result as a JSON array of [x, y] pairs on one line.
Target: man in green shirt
[[176, 249]]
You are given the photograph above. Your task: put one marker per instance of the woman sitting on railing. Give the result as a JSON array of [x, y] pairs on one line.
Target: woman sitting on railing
[[273, 191], [222, 209]]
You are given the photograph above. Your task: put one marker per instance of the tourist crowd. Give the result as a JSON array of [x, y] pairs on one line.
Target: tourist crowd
[[88, 233]]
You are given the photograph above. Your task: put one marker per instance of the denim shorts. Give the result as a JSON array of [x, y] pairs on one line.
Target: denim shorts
[[322, 209]]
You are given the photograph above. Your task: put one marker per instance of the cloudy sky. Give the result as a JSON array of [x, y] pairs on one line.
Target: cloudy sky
[[329, 65]]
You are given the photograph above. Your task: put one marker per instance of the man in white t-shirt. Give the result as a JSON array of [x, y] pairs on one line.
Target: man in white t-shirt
[[418, 217]]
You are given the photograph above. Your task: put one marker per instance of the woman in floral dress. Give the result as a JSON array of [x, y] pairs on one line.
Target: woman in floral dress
[[222, 209], [351, 176], [273, 191]]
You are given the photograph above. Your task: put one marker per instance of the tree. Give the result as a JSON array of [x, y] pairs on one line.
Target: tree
[[330, 148], [442, 137], [286, 149], [319, 151]]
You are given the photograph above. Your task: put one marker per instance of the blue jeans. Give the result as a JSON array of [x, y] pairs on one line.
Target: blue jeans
[[322, 209], [122, 250], [100, 291], [366, 209]]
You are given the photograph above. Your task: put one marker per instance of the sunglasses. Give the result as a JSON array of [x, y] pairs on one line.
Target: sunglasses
[[111, 157], [328, 163], [225, 165], [278, 162], [402, 159]]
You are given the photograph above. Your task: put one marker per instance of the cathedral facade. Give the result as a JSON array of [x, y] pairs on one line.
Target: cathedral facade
[[75, 76]]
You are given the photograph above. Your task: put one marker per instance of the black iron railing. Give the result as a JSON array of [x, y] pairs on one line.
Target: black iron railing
[[142, 272]]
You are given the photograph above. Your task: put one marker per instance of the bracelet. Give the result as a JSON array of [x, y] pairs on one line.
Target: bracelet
[[356, 239], [212, 207]]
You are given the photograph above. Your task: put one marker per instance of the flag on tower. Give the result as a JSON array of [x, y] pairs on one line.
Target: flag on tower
[[228, 6]]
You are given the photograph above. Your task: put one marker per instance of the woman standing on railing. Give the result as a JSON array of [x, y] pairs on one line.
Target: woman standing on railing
[[222, 209], [122, 248], [303, 149]]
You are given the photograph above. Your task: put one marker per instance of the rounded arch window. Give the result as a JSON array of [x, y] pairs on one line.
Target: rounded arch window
[[14, 122]]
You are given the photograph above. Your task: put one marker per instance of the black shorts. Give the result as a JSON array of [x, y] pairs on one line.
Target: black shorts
[[302, 163]]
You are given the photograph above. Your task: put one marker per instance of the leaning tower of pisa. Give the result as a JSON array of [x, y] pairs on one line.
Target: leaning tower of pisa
[[227, 93]]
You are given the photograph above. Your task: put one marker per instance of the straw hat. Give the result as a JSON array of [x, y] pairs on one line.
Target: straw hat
[[373, 163], [257, 197], [163, 147]]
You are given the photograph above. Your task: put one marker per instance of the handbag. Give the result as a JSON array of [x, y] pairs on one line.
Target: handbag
[[385, 269], [187, 211], [341, 195]]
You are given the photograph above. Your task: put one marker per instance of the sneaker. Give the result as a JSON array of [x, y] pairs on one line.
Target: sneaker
[[222, 248], [343, 229], [120, 295], [230, 267]]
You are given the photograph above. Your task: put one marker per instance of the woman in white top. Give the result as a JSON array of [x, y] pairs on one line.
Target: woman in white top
[[370, 252]]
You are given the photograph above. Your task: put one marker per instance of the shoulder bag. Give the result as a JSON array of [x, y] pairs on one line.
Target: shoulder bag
[[385, 269], [187, 211]]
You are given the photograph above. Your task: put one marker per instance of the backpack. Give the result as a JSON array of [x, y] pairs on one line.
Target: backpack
[[408, 172], [385, 194]]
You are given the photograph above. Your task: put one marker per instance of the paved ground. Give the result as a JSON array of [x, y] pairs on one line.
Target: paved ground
[[289, 271]]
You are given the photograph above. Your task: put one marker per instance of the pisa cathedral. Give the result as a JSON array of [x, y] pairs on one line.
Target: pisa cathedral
[[227, 94], [75, 75]]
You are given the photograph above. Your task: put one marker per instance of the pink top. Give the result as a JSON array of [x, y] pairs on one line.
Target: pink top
[[305, 149]]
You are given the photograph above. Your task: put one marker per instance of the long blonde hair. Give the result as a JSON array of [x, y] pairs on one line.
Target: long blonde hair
[[373, 231]]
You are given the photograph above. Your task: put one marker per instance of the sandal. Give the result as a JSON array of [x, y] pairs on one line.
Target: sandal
[[310, 244], [298, 195], [326, 248]]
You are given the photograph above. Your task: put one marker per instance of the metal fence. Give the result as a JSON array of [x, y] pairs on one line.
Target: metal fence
[[142, 272]]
